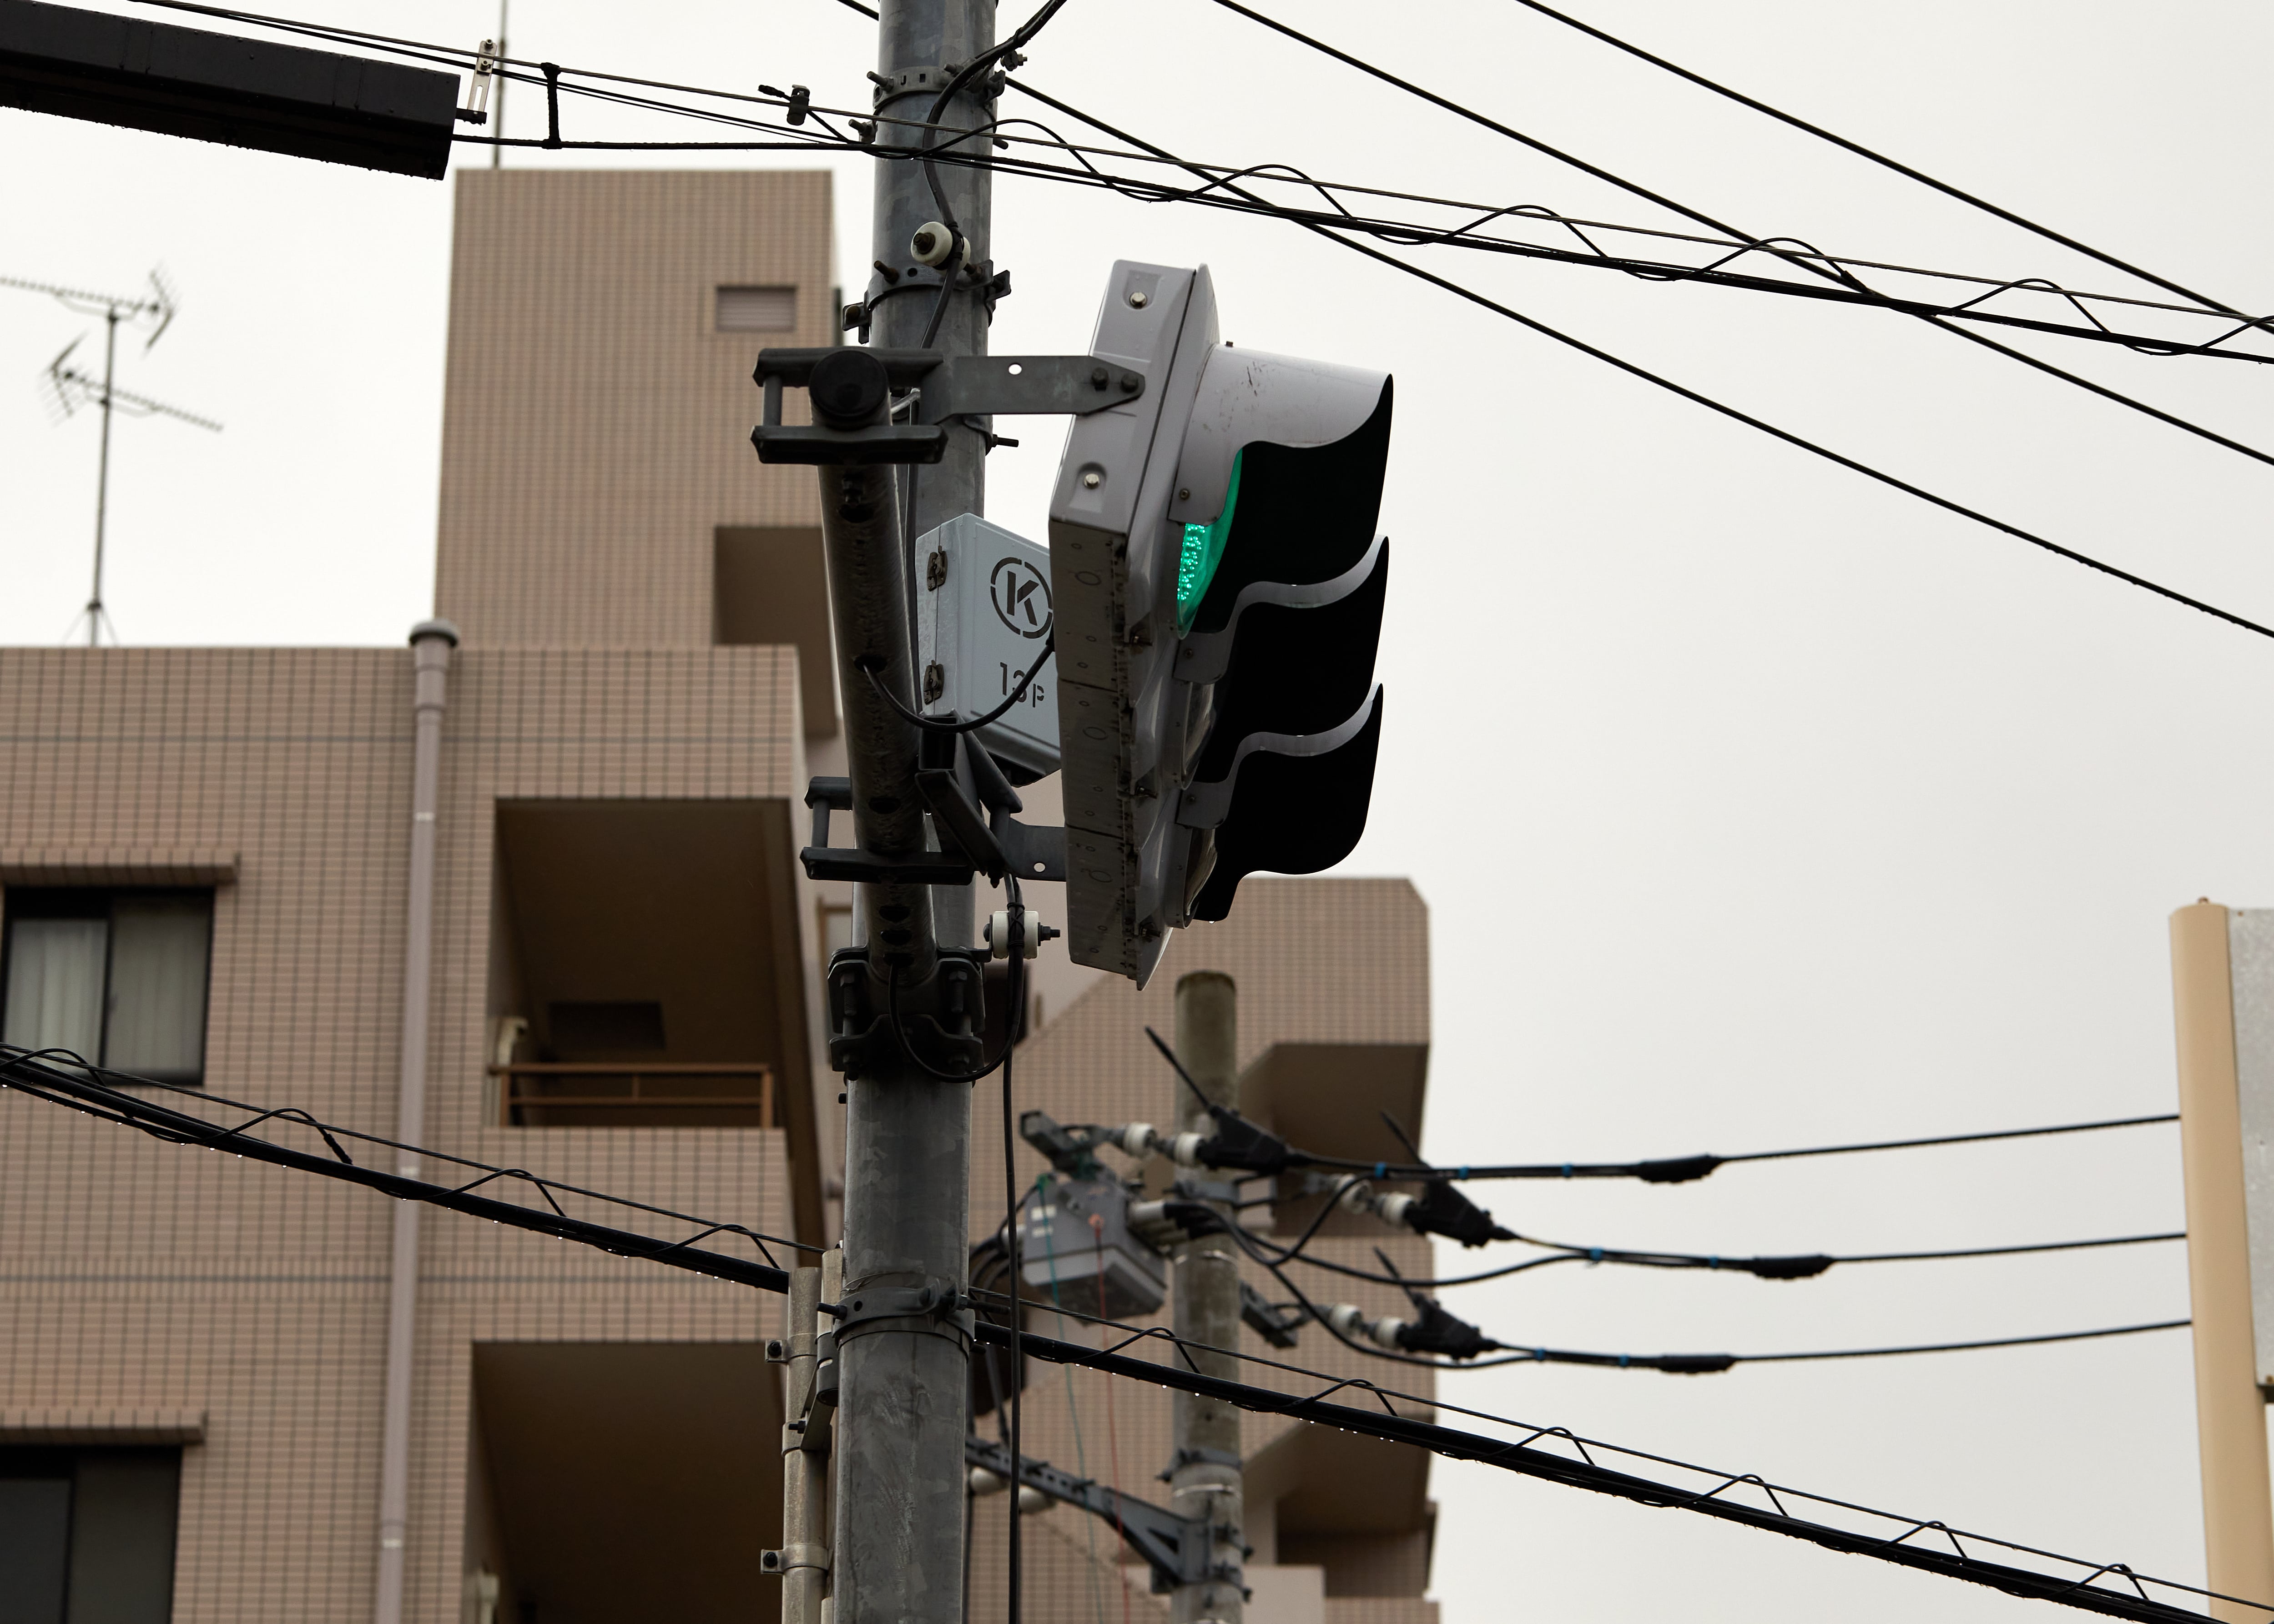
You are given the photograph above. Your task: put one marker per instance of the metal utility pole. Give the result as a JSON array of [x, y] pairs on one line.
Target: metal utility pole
[[903, 1351], [1204, 1476], [2222, 973]]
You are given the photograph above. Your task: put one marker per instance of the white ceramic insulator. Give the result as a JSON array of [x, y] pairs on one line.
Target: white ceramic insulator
[[1347, 1319], [1139, 1139], [930, 242], [1032, 1501], [984, 1482], [1185, 1149], [1393, 1208], [1357, 1198], [1385, 1331]]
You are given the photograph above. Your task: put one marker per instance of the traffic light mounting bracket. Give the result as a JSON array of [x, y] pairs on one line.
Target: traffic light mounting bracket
[[992, 845], [945, 387]]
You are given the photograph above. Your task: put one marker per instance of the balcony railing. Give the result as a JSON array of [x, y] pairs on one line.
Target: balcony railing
[[609, 1093]]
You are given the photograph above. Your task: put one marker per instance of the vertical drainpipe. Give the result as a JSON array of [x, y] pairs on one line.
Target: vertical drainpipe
[[431, 642]]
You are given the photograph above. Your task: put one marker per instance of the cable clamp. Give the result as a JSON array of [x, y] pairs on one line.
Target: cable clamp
[[937, 1308], [801, 1553], [928, 79], [1188, 1456]]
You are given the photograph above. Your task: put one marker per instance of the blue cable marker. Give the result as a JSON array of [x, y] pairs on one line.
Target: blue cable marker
[[1464, 1172], [1594, 1254], [1567, 1170], [1540, 1353], [1381, 1170], [1622, 1361], [1713, 1262]]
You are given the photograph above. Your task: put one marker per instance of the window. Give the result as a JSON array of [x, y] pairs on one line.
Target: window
[[756, 310], [87, 1536], [118, 976]]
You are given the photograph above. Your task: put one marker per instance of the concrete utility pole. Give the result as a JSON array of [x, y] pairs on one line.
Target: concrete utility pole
[[2223, 1003], [905, 1376], [1204, 1476]]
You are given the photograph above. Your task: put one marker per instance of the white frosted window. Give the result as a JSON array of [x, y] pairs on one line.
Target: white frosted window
[[756, 310], [158, 947], [55, 984]]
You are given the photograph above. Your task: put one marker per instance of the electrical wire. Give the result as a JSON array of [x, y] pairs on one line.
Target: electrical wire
[[1798, 1266], [1888, 1536], [26, 1071], [1683, 1169], [1675, 1363], [1073, 1412], [1473, 116], [1903, 169], [1837, 288], [873, 669], [1731, 412]]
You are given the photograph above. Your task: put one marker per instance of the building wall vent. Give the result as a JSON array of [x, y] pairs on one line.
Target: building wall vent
[[756, 310]]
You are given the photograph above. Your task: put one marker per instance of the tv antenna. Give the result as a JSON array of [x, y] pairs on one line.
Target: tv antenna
[[70, 389]]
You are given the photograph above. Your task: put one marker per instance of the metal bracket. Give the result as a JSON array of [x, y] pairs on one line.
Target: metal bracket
[[824, 861], [1177, 1549], [1034, 851], [954, 386], [938, 1309], [794, 1556], [941, 1018]]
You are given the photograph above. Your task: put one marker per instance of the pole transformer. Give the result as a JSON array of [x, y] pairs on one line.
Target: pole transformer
[[1204, 1474], [903, 1350]]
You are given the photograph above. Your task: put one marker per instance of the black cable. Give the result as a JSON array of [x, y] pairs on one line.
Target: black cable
[[35, 1072], [21, 1069], [1731, 412], [1903, 169], [1524, 1457], [1015, 985], [1494, 125], [1838, 287], [871, 669], [1673, 1364], [1682, 1169]]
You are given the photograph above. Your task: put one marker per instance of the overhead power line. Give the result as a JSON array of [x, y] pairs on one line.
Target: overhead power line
[[1840, 287], [1463, 1344], [61, 1078], [1839, 284], [1796, 1266], [1904, 170], [1801, 443], [1640, 190], [1683, 1169], [1884, 1535]]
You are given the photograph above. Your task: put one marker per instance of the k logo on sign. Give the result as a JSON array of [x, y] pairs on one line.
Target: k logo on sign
[[1022, 597]]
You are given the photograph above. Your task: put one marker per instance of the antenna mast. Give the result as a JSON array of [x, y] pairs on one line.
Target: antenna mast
[[72, 388]]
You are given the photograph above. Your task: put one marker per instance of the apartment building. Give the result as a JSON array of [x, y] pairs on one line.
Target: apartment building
[[206, 875]]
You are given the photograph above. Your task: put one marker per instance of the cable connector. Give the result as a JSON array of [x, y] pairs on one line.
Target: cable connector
[[1441, 1209], [1434, 1332]]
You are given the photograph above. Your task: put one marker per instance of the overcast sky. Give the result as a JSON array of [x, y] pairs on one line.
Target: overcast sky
[[1756, 805]]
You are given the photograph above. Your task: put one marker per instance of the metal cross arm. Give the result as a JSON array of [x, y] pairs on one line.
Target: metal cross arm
[[856, 419], [1175, 1548]]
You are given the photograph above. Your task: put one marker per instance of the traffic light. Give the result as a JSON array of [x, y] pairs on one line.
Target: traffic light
[[1219, 591]]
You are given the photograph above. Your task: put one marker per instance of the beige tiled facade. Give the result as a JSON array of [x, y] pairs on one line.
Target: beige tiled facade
[[157, 1294]]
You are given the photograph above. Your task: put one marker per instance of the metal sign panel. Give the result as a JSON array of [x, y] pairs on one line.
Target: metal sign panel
[[981, 622], [2250, 949]]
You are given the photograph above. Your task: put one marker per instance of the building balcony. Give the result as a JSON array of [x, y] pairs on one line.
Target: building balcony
[[659, 1094]]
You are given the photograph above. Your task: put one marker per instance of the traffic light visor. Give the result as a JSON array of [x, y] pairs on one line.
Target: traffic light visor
[[1203, 550]]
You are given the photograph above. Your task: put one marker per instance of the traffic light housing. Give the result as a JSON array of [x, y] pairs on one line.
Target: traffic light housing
[[1219, 596]]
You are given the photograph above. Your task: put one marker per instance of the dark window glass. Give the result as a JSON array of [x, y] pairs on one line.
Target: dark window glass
[[87, 1536], [118, 976]]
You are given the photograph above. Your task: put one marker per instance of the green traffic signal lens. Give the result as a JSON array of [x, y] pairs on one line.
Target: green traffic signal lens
[[1203, 550]]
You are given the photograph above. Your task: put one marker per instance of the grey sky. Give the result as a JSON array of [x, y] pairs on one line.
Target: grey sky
[[1756, 805]]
